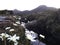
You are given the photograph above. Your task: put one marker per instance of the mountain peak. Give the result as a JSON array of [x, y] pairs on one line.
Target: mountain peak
[[42, 8]]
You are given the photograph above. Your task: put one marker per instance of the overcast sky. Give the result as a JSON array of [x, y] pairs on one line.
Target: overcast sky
[[27, 4]]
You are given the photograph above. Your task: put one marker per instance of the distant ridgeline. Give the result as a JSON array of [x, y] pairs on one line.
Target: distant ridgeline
[[6, 12]]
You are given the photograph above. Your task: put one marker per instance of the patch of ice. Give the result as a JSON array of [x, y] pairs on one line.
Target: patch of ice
[[30, 35], [23, 24], [11, 30], [15, 24], [19, 18], [4, 35], [14, 38], [18, 22], [7, 28], [42, 36]]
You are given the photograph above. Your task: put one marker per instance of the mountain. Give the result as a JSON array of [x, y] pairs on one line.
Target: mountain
[[40, 8], [15, 11]]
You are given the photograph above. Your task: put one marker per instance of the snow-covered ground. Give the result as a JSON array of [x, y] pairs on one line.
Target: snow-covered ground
[[31, 36]]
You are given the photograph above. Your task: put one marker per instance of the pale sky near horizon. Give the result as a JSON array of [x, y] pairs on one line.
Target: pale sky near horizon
[[27, 4]]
